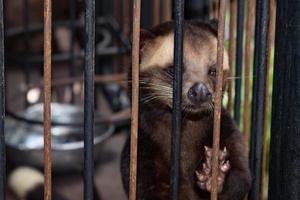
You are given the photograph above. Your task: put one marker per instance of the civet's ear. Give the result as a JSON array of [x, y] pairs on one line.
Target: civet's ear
[[214, 23], [146, 37]]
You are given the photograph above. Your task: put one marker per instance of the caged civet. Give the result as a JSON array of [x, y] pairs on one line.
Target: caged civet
[[199, 77]]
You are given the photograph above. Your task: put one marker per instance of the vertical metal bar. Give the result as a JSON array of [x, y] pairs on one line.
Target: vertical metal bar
[[2, 107], [167, 10], [116, 63], [239, 59], [215, 8], [233, 8], [177, 90], [218, 101], [125, 17], [135, 98], [155, 12], [259, 75], [47, 97], [272, 13], [89, 70], [72, 5], [125, 28], [285, 132], [116, 10], [248, 56]]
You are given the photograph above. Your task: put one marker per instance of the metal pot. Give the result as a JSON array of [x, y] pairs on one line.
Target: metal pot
[[25, 141]]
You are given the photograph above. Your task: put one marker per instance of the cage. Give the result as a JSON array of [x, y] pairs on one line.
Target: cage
[[85, 46]]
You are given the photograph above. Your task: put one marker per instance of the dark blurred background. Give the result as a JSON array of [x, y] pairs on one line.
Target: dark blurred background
[[24, 76]]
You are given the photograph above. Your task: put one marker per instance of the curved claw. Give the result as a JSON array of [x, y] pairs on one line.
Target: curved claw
[[208, 152], [225, 167], [203, 175], [223, 154]]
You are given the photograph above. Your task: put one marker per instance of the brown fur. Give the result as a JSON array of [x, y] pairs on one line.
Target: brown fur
[[200, 47]]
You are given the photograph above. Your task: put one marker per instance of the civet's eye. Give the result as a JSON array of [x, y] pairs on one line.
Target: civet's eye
[[212, 72]]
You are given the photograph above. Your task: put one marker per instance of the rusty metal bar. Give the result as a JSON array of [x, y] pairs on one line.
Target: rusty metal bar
[[167, 10], [239, 59], [248, 56], [177, 92], [155, 12], [215, 8], [89, 71], [271, 32], [125, 17], [259, 77], [2, 107], [47, 98], [117, 10], [135, 99], [233, 9], [218, 101]]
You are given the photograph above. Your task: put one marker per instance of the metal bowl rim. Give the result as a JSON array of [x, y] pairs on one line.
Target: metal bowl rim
[[71, 145]]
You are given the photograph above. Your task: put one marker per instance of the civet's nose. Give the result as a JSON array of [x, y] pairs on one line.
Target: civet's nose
[[199, 93]]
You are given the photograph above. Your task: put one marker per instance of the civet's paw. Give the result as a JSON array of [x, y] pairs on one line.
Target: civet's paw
[[204, 173]]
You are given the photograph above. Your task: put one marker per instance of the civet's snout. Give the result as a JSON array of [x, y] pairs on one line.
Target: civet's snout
[[199, 93]]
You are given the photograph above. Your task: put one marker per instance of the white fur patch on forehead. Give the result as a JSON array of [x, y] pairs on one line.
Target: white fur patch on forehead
[[225, 55], [159, 53]]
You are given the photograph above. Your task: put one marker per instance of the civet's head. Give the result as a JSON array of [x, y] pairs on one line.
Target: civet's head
[[199, 65]]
